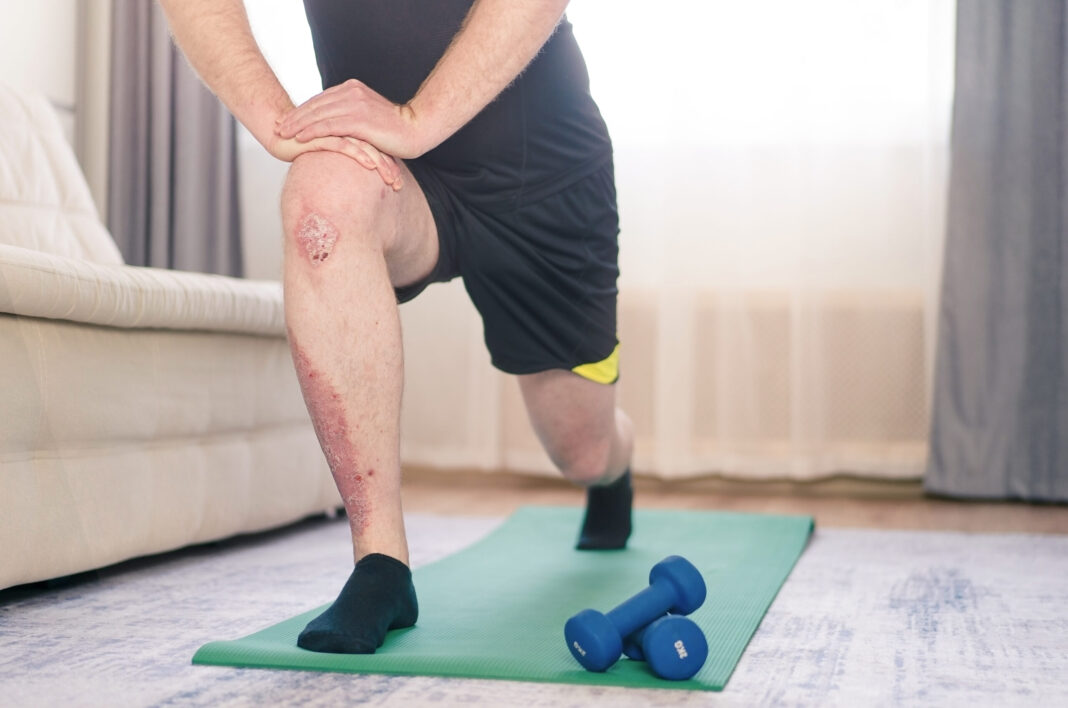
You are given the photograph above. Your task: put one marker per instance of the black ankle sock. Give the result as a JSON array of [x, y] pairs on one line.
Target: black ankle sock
[[607, 522], [379, 596]]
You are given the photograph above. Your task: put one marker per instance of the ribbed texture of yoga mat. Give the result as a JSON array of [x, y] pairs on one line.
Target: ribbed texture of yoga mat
[[497, 609]]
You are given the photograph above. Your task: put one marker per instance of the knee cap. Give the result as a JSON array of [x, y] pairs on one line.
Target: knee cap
[[587, 465], [316, 237]]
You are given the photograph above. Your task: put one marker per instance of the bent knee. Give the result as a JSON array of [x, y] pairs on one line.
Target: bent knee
[[330, 176], [327, 195], [584, 463], [332, 184]]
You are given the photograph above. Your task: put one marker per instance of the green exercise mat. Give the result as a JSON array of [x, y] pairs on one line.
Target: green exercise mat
[[497, 608]]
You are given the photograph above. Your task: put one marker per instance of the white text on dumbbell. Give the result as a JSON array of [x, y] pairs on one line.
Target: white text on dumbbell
[[681, 649], [579, 649]]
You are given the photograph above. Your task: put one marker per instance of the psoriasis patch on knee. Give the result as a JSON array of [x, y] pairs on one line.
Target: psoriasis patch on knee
[[332, 428], [317, 237]]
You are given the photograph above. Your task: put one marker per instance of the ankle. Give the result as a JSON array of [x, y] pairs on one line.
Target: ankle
[[361, 553]]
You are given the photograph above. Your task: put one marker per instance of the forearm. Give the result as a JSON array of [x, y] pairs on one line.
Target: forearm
[[216, 38], [497, 41]]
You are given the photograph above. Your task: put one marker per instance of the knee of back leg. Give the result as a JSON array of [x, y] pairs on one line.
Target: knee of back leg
[[585, 463]]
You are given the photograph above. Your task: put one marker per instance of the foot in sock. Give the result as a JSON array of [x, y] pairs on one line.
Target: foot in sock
[[607, 523], [379, 596]]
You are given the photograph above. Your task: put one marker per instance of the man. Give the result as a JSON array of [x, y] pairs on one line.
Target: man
[[457, 138]]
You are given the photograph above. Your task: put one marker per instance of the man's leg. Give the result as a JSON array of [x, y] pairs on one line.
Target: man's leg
[[348, 240], [590, 441]]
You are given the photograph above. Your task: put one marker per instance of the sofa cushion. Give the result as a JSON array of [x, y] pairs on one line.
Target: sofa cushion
[[35, 284], [45, 204]]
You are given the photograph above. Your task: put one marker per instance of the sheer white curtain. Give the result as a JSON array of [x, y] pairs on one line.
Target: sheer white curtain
[[781, 170]]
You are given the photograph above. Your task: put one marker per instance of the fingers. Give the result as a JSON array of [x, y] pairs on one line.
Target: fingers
[[361, 156], [388, 169], [350, 111], [321, 128], [334, 102], [321, 107], [367, 156], [385, 165], [313, 107]]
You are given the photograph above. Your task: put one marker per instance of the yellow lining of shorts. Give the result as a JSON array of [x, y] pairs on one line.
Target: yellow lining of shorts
[[605, 371]]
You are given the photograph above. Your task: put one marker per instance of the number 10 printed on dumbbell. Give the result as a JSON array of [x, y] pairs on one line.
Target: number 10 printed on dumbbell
[[648, 626]]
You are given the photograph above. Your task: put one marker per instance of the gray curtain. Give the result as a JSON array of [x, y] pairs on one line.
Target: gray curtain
[[1000, 414], [172, 194]]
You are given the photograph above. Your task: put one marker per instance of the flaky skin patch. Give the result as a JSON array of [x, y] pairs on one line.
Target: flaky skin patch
[[317, 237], [332, 428]]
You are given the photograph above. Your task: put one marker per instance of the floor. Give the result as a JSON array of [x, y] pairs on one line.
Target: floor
[[891, 604], [867, 617], [839, 502]]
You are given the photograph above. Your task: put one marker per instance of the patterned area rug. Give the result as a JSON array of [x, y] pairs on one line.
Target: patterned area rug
[[867, 617]]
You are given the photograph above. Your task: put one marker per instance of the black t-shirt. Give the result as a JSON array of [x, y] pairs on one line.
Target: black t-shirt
[[540, 135]]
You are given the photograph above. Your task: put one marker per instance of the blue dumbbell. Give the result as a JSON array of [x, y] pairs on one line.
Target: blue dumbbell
[[596, 639], [674, 646]]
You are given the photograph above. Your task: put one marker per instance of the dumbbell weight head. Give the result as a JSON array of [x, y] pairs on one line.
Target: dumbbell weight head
[[593, 640], [674, 647], [596, 639], [690, 589]]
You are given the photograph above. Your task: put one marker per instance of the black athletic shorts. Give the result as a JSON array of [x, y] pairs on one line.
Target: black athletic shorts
[[541, 272]]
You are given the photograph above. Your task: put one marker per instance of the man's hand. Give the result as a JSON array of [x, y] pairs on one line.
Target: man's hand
[[354, 110], [361, 151], [498, 39], [216, 37]]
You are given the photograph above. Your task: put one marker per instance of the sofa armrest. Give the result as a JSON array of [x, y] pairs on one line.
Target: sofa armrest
[[36, 284]]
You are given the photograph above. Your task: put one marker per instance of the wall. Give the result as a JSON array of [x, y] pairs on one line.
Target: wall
[[801, 347], [285, 39], [38, 46], [61, 48], [260, 189]]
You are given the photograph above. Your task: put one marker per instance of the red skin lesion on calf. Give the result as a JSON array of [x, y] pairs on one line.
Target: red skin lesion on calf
[[332, 428]]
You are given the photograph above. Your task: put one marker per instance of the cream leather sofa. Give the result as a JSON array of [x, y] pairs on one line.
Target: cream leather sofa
[[141, 410]]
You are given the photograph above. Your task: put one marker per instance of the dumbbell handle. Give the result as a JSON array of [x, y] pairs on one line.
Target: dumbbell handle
[[641, 609]]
